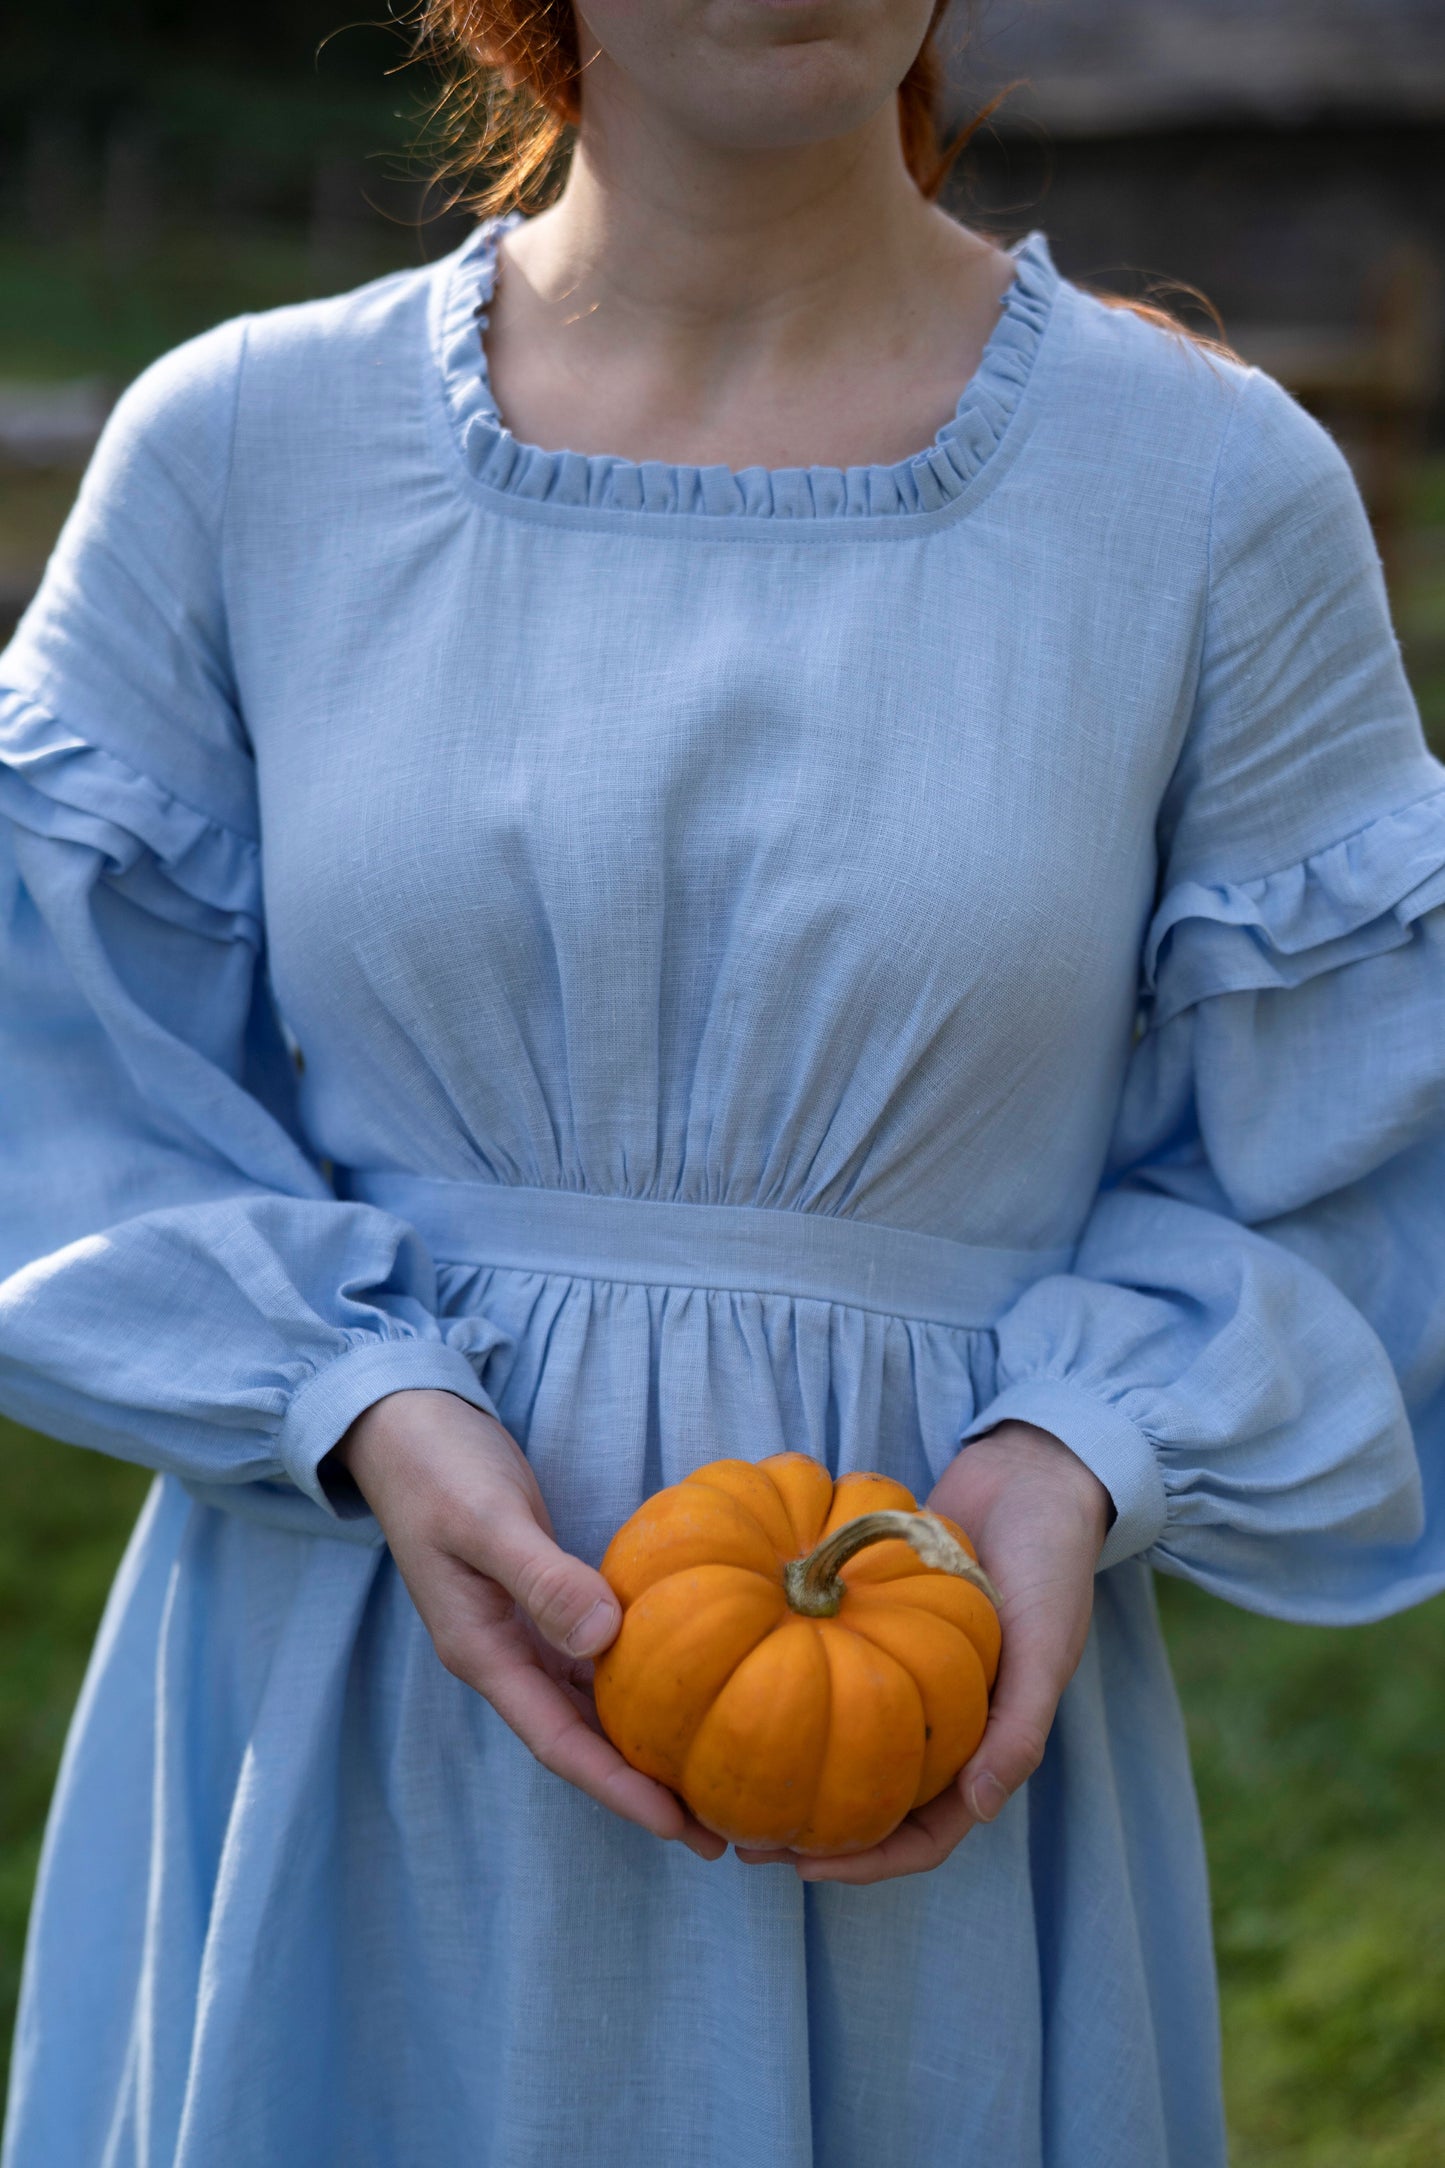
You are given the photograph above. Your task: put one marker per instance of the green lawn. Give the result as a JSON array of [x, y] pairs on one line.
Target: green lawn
[[71, 312], [64, 1517], [1419, 606], [1321, 1767], [1320, 1761]]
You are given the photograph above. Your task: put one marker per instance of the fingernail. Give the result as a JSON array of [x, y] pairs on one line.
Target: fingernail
[[593, 1630], [985, 1796]]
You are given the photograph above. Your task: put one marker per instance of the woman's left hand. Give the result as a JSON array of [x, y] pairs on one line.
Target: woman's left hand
[[1038, 1518]]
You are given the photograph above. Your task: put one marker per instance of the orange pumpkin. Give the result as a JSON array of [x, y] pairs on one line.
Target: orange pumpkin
[[802, 1662]]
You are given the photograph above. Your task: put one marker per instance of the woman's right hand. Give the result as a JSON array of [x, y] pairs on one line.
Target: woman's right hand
[[509, 1612]]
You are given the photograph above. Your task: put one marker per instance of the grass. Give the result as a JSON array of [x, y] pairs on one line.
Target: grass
[[71, 311], [1320, 1761], [64, 1517], [1419, 604]]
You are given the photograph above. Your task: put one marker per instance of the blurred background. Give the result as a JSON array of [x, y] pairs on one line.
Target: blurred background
[[164, 164]]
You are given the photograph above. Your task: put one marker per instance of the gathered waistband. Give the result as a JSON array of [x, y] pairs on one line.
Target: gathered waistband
[[814, 1256], [751, 1249]]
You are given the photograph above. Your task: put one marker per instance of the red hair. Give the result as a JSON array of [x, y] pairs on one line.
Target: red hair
[[512, 98]]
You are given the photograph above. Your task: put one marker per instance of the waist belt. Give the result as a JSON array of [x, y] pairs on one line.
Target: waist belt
[[748, 1248], [755, 1249]]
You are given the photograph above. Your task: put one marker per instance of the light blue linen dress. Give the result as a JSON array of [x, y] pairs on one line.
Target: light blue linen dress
[[782, 960]]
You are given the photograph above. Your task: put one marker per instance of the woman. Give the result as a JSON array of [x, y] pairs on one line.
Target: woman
[[700, 711]]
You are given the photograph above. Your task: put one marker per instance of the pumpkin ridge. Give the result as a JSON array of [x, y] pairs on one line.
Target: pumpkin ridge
[[857, 1625], [698, 1484], [920, 1592], [701, 1712], [628, 1699], [689, 1523], [806, 1527], [695, 1786], [767, 1580], [949, 1682], [842, 1749], [805, 1821], [859, 1492]]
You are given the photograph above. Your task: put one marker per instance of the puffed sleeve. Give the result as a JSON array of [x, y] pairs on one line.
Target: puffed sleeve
[[178, 1284], [1250, 1349]]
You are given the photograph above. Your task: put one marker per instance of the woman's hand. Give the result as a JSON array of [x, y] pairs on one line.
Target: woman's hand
[[1038, 1518], [510, 1614]]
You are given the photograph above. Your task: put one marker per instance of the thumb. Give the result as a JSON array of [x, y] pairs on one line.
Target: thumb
[[567, 1601]]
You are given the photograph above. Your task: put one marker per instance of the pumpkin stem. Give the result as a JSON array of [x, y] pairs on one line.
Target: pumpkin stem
[[812, 1583]]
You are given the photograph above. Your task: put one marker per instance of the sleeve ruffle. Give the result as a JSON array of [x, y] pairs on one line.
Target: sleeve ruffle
[[1355, 898], [1293, 1043], [178, 1285], [168, 857], [1250, 1349]]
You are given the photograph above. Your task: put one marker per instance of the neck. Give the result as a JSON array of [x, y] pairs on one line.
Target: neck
[[714, 247], [704, 304]]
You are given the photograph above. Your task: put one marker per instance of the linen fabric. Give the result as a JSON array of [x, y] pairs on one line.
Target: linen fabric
[[694, 963]]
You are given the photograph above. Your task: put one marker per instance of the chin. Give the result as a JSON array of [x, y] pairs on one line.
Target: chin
[[801, 94]]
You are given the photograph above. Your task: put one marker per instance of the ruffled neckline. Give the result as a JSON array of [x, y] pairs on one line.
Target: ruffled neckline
[[923, 483]]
